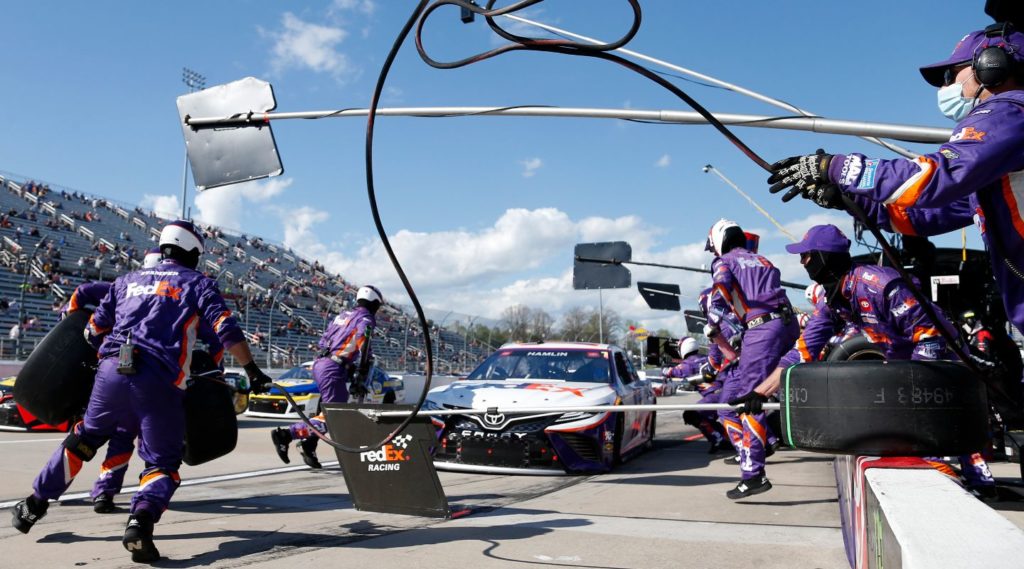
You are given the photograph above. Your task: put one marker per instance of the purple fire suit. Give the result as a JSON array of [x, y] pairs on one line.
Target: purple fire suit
[[748, 285], [162, 309], [978, 175], [345, 348], [882, 307]]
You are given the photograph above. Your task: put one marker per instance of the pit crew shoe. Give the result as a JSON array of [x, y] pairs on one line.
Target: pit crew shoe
[[986, 493], [138, 538], [732, 460], [307, 450], [282, 437], [103, 504], [749, 488], [27, 512]]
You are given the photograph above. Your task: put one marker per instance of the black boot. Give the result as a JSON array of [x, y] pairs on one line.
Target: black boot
[[282, 437], [749, 487], [103, 504], [138, 538], [307, 450], [27, 512]]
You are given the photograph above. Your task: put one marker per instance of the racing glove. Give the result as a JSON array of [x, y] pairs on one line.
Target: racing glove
[[259, 382], [357, 388], [802, 175], [752, 403]]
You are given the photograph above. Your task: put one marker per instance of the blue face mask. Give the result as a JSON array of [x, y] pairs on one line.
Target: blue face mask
[[953, 104]]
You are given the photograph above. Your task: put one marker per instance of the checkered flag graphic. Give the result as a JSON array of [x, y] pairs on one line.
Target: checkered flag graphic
[[401, 441]]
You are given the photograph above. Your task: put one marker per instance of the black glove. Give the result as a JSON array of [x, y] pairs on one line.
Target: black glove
[[707, 372], [357, 388], [801, 174], [751, 402], [259, 382]]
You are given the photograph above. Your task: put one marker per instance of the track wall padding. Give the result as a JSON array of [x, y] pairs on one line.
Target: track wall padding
[[899, 512]]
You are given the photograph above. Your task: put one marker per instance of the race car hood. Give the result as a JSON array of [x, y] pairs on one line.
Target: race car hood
[[296, 386], [521, 393]]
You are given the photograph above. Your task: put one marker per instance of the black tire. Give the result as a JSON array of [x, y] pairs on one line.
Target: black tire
[[857, 348], [389, 398], [884, 408], [654, 430], [617, 440]]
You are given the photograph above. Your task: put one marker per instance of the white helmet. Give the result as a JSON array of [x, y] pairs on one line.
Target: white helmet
[[687, 346], [718, 234], [182, 234], [814, 293], [152, 258], [369, 293]]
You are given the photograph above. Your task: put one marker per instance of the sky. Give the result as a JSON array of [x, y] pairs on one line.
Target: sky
[[483, 212]]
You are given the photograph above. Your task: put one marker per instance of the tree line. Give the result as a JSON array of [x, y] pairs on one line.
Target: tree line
[[521, 323]]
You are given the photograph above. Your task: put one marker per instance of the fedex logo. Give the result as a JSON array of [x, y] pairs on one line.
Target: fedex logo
[[159, 288], [388, 457], [387, 453]]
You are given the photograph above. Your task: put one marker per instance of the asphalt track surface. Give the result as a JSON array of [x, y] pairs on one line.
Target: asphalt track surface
[[665, 508]]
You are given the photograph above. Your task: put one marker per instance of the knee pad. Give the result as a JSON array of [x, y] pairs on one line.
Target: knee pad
[[78, 447], [691, 418]]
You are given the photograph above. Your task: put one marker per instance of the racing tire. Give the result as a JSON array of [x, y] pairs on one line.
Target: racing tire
[[389, 398], [617, 440], [857, 348], [884, 408], [653, 432]]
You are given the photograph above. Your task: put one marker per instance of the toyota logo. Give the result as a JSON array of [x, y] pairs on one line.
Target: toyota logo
[[494, 419]]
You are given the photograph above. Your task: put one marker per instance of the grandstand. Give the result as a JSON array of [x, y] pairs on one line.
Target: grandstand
[[53, 239]]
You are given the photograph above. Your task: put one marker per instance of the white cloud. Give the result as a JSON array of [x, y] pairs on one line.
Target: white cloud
[[366, 7], [225, 207], [308, 45], [800, 226], [664, 162], [167, 207], [530, 166]]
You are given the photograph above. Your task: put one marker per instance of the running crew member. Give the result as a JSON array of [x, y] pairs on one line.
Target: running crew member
[[145, 328], [748, 286], [878, 301], [708, 386], [344, 357]]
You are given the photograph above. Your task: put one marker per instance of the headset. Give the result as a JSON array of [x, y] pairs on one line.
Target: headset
[[993, 64]]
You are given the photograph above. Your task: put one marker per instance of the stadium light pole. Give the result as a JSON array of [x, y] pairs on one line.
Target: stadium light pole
[[195, 82]]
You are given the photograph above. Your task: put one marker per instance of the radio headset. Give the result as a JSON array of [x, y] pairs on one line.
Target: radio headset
[[993, 64]]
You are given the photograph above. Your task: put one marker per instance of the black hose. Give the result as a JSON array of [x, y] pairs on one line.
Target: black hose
[[569, 47]]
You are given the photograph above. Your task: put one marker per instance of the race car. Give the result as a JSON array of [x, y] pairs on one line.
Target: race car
[[662, 386], [300, 385], [14, 417], [555, 375]]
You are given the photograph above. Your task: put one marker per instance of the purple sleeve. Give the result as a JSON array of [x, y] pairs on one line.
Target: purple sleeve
[[215, 312], [820, 327], [984, 147], [718, 303], [102, 319], [923, 222], [911, 320]]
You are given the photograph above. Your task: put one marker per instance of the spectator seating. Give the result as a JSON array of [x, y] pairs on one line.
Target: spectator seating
[[63, 238]]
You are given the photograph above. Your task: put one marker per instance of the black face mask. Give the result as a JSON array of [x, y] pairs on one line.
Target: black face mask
[[828, 269]]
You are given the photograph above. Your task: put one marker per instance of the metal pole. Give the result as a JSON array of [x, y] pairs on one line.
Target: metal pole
[[600, 316], [909, 133], [195, 82], [374, 412], [707, 78]]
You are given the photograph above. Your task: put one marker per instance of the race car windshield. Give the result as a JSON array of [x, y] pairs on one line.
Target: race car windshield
[[561, 365]]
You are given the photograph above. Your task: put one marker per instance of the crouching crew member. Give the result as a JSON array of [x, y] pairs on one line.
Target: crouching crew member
[[748, 286], [145, 329], [881, 305], [344, 357]]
